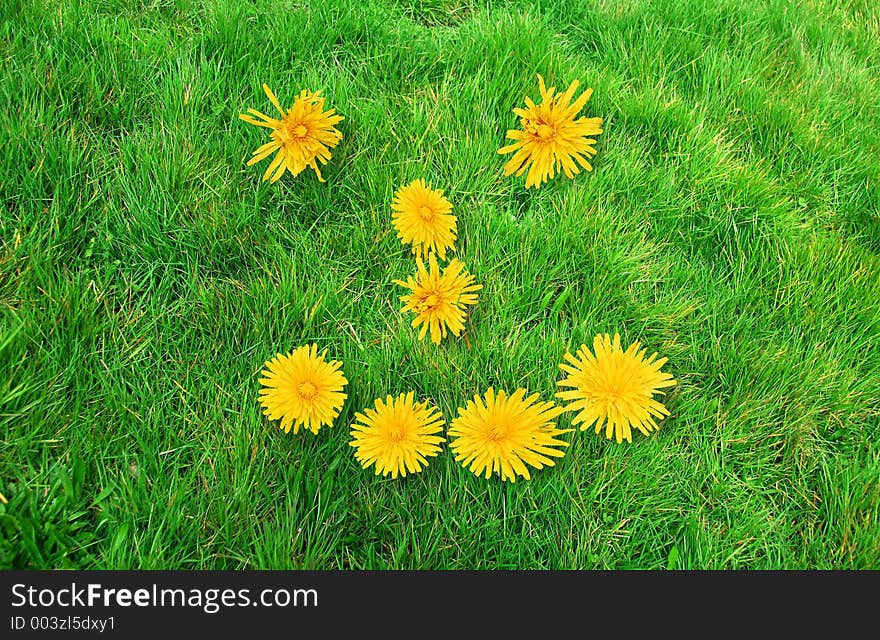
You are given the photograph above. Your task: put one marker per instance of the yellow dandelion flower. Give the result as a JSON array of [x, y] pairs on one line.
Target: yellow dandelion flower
[[397, 436], [614, 387], [304, 134], [551, 137], [423, 218], [502, 434], [439, 299], [302, 389]]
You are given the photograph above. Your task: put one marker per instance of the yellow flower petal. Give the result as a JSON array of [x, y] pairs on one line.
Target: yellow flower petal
[[550, 136], [304, 134], [302, 389], [501, 434], [614, 388]]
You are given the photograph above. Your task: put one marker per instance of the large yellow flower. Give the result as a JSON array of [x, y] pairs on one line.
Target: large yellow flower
[[303, 135], [422, 217], [501, 434], [551, 137], [439, 299], [302, 389], [397, 436], [614, 387]]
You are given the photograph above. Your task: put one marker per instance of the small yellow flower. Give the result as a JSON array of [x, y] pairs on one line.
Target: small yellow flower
[[423, 218], [614, 387], [302, 389], [501, 434], [550, 136], [304, 134], [397, 436], [439, 299]]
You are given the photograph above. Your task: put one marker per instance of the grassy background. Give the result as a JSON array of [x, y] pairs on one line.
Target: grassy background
[[731, 224]]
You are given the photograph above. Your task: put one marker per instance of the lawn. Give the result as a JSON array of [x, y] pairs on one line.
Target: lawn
[[731, 224]]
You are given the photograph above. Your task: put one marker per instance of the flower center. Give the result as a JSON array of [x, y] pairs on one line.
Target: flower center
[[617, 394], [496, 432], [545, 132], [396, 433], [299, 131], [307, 390], [426, 213], [429, 301]]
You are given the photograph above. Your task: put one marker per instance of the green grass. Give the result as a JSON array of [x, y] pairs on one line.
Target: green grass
[[732, 224]]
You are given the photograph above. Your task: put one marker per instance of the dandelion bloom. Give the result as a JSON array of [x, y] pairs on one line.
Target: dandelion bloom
[[397, 436], [502, 434], [303, 135], [614, 387], [439, 299], [302, 389], [423, 218], [551, 137]]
